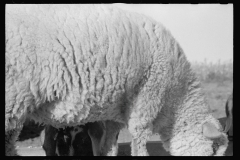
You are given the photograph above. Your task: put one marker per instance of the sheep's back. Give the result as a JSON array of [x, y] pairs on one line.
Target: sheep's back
[[81, 61]]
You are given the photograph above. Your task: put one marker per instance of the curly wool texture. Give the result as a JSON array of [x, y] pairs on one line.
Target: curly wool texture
[[67, 65], [74, 62]]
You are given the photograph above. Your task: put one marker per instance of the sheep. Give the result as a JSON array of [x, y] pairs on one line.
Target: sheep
[[71, 141], [68, 65], [48, 140], [229, 121]]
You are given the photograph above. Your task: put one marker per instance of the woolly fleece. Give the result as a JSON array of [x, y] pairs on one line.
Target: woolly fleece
[[68, 65]]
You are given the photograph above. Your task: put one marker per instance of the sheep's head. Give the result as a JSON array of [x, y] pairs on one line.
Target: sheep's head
[[200, 140], [220, 141]]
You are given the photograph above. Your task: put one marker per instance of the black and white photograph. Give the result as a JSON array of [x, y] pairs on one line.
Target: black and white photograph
[[119, 79]]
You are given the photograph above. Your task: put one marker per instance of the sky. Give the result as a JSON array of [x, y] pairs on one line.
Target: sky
[[205, 31]]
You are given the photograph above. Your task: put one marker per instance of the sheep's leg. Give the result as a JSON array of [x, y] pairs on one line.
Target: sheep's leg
[[109, 143], [140, 135], [96, 133], [134, 150], [104, 137], [140, 123], [10, 139], [49, 142]]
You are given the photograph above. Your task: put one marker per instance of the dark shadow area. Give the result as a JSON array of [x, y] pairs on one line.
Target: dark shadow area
[[30, 130]]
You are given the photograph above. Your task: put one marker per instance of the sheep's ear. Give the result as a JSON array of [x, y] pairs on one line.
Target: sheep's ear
[[210, 131]]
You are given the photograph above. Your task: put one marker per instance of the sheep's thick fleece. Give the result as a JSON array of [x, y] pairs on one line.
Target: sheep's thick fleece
[[68, 65]]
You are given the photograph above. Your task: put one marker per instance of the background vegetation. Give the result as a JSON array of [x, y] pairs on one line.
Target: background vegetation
[[217, 83], [214, 72]]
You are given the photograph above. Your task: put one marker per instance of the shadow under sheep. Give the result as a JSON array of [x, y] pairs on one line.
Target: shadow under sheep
[[30, 130]]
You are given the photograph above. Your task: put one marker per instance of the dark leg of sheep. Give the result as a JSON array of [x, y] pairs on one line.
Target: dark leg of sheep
[[104, 137], [229, 120], [10, 139], [82, 142], [109, 141], [70, 141], [49, 143], [96, 133]]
